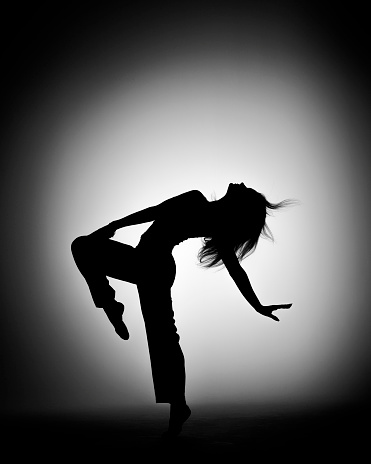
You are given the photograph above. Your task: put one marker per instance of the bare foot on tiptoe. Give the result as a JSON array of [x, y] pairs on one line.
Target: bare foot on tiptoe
[[114, 312]]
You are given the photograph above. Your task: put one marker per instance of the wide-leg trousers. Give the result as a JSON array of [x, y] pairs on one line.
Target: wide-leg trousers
[[153, 272]]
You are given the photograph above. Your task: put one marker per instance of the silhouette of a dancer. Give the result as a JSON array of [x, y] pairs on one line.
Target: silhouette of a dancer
[[230, 228]]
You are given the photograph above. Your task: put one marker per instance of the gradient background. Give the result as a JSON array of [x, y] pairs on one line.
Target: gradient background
[[111, 110]]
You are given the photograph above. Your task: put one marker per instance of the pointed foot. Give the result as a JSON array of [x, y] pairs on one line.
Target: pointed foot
[[114, 312]]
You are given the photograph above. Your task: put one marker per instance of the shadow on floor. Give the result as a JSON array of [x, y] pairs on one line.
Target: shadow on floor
[[222, 432]]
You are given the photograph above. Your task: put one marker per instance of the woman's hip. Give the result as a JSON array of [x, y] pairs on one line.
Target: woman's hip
[[157, 267]]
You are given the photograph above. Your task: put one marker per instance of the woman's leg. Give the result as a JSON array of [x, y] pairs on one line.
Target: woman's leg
[[167, 360], [98, 258]]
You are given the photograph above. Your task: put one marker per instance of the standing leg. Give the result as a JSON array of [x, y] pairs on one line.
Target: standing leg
[[98, 258], [167, 360]]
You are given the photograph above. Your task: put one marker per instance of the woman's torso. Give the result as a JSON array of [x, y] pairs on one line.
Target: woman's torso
[[183, 217]]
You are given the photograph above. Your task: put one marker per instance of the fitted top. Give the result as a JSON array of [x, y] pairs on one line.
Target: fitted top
[[179, 218]]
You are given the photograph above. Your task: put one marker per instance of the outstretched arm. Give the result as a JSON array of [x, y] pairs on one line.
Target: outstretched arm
[[146, 215], [108, 231], [243, 283], [140, 217]]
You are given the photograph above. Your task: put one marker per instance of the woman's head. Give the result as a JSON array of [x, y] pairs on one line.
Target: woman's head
[[239, 222]]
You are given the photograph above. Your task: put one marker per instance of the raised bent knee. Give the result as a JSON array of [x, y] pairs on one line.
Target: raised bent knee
[[78, 244]]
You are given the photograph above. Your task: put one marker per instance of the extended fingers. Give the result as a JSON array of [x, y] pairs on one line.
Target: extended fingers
[[282, 306]]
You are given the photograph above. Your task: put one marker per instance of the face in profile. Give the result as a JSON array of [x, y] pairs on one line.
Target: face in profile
[[235, 188], [239, 193]]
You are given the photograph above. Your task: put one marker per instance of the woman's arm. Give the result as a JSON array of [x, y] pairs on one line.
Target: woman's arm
[[108, 231], [147, 215], [154, 212], [140, 217], [243, 283]]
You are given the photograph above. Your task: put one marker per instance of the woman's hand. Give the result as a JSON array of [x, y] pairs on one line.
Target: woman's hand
[[267, 310], [105, 232]]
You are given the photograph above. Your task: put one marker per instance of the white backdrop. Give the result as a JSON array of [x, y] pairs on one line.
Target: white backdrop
[[112, 134]]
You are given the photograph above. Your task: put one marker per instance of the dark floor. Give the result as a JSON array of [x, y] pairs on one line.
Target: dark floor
[[248, 432]]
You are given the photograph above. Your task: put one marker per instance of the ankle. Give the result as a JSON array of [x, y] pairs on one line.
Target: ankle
[[181, 401]]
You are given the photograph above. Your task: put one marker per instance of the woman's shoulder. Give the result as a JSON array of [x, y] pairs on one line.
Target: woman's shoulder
[[184, 200], [196, 194], [194, 198], [191, 195]]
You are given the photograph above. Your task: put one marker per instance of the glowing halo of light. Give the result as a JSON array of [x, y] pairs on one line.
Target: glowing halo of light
[[128, 139]]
